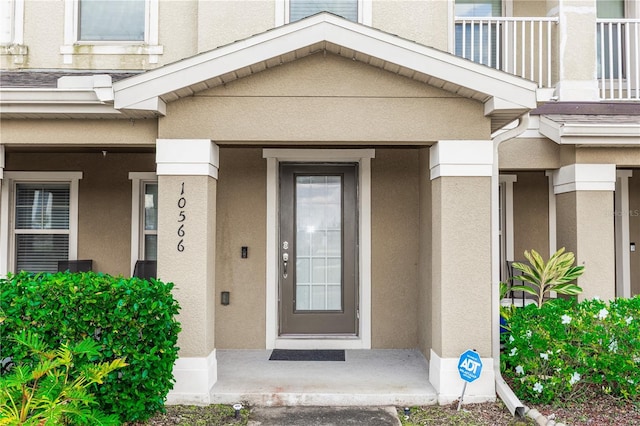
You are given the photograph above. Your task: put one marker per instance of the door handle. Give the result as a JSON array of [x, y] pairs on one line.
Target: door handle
[[285, 261]]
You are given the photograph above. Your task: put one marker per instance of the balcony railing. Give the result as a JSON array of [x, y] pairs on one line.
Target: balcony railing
[[619, 58], [520, 46]]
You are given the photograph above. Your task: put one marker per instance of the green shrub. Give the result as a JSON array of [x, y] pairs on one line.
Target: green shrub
[[568, 350], [129, 317], [55, 391]]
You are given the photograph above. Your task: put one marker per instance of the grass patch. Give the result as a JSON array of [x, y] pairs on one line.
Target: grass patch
[[194, 415], [469, 415]]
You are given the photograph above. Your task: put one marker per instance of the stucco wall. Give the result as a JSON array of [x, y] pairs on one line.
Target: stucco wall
[[395, 247], [529, 153], [622, 157], [241, 221], [95, 133], [347, 102], [531, 214], [104, 205], [461, 251], [420, 21], [634, 229]]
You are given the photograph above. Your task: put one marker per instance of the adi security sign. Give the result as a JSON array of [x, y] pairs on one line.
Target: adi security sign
[[470, 366]]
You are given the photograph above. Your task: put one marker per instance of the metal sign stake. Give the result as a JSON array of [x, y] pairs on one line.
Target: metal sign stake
[[464, 388]]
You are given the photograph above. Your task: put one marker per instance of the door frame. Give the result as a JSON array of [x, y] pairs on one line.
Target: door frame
[[363, 157]]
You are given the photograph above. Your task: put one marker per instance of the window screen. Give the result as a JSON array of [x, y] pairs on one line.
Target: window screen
[[111, 20], [299, 9], [41, 226]]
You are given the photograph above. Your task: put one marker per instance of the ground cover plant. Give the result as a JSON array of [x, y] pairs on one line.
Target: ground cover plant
[[128, 318], [54, 391], [567, 351]]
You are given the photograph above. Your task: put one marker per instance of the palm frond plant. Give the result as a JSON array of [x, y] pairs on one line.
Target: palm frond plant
[[557, 274]]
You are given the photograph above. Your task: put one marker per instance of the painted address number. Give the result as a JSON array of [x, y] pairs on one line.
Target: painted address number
[[182, 216]]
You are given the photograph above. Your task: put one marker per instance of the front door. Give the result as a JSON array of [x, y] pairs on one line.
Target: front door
[[318, 254]]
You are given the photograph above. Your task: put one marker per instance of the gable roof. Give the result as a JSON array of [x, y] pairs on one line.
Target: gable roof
[[505, 96]]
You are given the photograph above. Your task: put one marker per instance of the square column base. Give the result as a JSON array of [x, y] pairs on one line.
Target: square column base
[[195, 378], [444, 376]]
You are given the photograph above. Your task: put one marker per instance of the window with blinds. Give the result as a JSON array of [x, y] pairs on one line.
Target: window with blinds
[[6, 22], [111, 20], [474, 41], [41, 226], [299, 9]]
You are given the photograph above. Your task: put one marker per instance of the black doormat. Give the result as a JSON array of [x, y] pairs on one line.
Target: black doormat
[[307, 355]]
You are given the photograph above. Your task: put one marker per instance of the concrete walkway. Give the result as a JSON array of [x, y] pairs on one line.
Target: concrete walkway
[[324, 416], [365, 378]]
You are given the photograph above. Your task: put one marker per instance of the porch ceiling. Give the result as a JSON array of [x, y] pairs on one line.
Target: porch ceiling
[[506, 97]]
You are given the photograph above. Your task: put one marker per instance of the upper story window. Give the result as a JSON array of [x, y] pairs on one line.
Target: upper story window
[[12, 30], [111, 20], [299, 9], [111, 27], [610, 38], [294, 10]]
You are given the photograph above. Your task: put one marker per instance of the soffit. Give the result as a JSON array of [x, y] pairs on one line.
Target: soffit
[[592, 129]]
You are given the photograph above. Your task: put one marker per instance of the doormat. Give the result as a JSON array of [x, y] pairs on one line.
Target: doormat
[[307, 355]]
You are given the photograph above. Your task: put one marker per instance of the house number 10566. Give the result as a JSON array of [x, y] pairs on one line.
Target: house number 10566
[[182, 216]]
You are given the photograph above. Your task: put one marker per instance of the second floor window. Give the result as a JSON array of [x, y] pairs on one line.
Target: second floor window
[[111, 20], [299, 9], [477, 41], [610, 38]]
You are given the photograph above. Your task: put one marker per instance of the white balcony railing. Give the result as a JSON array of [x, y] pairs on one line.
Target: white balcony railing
[[619, 58], [520, 46]]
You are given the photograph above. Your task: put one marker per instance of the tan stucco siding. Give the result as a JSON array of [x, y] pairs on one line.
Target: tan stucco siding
[[326, 99], [241, 221], [99, 133], [634, 230], [622, 157], [531, 214], [104, 201], [461, 254], [529, 153], [419, 21], [395, 247], [424, 260]]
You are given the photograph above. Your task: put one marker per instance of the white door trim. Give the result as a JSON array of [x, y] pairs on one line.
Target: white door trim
[[363, 158], [621, 220]]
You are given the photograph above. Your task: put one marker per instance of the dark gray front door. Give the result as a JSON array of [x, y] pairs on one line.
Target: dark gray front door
[[318, 256]]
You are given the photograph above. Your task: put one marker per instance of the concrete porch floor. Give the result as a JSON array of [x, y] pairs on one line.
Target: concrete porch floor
[[366, 377]]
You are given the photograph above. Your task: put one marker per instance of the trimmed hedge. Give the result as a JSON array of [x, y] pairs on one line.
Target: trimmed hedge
[[567, 350], [128, 317]]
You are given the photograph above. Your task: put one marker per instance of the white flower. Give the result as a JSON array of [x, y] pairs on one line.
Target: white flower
[[528, 334], [538, 387], [603, 313], [519, 370], [575, 378], [513, 351], [636, 359], [613, 346], [566, 319], [544, 356], [628, 319], [511, 339]]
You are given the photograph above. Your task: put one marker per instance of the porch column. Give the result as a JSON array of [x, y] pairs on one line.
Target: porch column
[[187, 172], [461, 266], [585, 224]]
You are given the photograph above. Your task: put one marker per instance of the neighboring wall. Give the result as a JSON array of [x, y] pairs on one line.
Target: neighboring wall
[[104, 205], [395, 235], [531, 214]]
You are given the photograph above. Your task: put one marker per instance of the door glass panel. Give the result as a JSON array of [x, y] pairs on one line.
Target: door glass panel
[[318, 209]]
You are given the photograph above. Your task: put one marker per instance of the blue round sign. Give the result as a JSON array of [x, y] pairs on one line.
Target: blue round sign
[[470, 366]]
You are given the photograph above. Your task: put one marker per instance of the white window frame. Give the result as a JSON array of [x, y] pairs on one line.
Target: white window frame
[[138, 180], [7, 201], [365, 9], [148, 47], [15, 47]]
